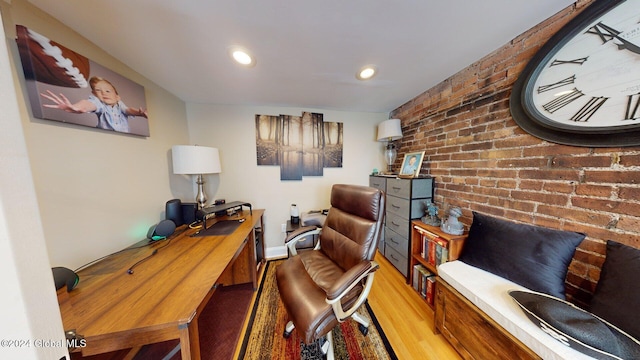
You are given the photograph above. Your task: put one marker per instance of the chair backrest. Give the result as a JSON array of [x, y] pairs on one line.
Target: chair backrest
[[353, 226]]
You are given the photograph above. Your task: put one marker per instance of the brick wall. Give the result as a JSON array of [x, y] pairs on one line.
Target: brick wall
[[483, 161]]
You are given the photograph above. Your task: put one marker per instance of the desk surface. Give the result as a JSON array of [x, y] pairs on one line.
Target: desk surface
[[113, 309]]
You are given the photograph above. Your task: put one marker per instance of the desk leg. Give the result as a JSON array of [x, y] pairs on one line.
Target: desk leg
[[190, 341], [253, 265]]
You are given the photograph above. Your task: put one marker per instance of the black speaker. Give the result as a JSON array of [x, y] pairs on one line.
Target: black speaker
[[173, 211], [63, 276], [161, 230], [189, 212]]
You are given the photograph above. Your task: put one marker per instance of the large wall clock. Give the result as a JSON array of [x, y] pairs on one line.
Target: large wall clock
[[583, 86]]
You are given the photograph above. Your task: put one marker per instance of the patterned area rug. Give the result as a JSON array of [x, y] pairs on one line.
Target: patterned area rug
[[264, 340]]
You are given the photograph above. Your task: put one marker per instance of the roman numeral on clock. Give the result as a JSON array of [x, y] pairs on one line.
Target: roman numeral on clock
[[562, 101], [632, 107], [579, 61], [589, 109], [570, 80], [605, 32]]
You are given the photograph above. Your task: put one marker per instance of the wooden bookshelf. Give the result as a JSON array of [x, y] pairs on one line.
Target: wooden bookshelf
[[450, 249]]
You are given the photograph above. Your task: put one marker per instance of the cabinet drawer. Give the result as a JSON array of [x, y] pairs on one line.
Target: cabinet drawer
[[418, 188], [378, 182], [407, 209], [394, 257], [397, 242], [398, 224], [399, 187], [306, 243], [422, 188], [398, 206]]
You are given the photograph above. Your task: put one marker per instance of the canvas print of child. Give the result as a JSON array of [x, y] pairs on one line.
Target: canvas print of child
[[67, 87], [104, 101]]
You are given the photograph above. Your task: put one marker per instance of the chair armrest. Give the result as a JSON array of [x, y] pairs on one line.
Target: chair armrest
[[346, 282], [351, 278], [292, 239], [301, 230]]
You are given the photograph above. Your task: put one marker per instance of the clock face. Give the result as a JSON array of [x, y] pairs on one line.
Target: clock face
[[583, 87]]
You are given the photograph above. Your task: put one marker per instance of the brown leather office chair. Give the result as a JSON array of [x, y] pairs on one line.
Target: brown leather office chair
[[326, 286]]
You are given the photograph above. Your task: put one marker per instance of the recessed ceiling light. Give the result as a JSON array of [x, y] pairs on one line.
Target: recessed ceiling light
[[366, 72], [241, 56]]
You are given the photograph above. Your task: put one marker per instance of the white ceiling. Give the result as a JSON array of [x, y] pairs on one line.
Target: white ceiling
[[307, 51]]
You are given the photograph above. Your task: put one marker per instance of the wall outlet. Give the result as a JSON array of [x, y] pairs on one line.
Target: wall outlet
[[283, 227]]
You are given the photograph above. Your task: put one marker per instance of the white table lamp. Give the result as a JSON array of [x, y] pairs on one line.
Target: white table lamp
[[196, 160], [389, 131]]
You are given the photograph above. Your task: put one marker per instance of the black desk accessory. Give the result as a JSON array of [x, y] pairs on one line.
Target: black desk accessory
[[161, 230], [207, 211], [63, 276], [222, 227], [173, 211]]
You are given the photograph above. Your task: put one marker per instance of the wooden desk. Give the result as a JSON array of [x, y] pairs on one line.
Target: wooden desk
[[164, 296]]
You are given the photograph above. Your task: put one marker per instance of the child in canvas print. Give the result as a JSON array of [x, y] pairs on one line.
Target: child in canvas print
[[104, 101]]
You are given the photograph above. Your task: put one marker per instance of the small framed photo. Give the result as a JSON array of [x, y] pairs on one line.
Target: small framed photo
[[411, 165]]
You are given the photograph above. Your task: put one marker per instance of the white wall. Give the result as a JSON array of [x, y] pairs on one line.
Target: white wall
[[232, 130], [28, 306], [98, 191]]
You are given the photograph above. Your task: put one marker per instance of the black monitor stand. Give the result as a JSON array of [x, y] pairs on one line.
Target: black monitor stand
[[223, 207]]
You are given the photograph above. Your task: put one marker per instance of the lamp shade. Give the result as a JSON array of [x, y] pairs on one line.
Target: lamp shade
[[389, 130], [191, 159]]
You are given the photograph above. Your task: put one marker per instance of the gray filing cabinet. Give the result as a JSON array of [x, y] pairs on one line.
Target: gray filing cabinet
[[379, 182], [406, 200]]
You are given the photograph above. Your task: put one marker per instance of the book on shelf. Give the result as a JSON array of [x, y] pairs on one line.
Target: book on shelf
[[434, 249], [431, 258], [438, 255], [416, 277], [421, 282], [430, 292], [441, 252]]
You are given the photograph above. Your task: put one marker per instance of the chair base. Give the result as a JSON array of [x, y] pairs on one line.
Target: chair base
[[327, 346], [288, 329]]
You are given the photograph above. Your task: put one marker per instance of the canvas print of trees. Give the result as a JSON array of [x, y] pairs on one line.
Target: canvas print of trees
[[300, 145]]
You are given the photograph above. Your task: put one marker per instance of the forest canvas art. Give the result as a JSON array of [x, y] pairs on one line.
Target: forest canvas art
[[301, 145]]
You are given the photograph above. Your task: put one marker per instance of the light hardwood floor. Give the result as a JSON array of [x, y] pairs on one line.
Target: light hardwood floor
[[405, 318]]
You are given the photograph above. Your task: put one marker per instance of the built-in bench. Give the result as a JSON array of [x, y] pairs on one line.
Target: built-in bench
[[504, 298], [478, 317]]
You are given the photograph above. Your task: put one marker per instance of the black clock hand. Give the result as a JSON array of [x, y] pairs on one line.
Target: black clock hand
[[628, 45], [607, 33]]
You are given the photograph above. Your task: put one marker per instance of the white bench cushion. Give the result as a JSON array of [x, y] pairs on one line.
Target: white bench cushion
[[489, 293]]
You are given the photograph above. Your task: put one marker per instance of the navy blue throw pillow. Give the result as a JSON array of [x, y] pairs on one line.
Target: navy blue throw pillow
[[617, 295], [535, 257], [576, 328]]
